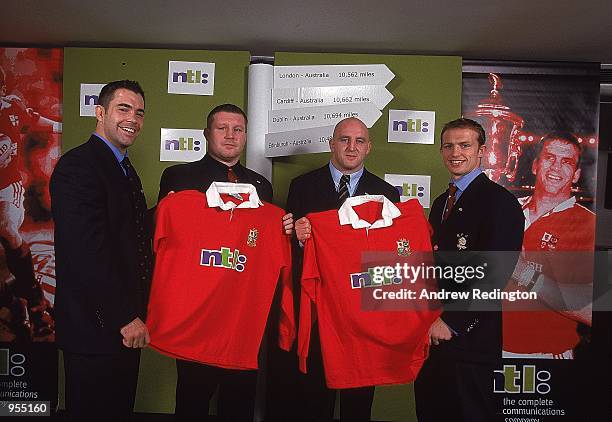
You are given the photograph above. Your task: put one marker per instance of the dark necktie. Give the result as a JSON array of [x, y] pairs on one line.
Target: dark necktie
[[343, 191], [231, 176], [139, 206], [450, 201]]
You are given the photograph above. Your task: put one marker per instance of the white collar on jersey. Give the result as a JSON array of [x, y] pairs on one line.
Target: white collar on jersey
[[567, 204], [213, 195], [347, 215]]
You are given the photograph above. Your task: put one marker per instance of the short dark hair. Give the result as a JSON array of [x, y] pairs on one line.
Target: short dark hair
[[559, 135], [108, 91], [228, 108], [464, 123]]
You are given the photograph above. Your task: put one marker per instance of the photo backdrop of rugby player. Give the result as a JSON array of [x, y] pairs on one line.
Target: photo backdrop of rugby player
[[30, 135], [542, 134]]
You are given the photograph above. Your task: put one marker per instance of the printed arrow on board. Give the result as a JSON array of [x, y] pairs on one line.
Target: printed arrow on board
[[305, 141], [311, 117], [290, 98], [331, 75]]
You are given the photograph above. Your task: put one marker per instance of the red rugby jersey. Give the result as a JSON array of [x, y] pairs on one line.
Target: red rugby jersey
[[548, 244], [13, 120], [218, 260], [362, 348]]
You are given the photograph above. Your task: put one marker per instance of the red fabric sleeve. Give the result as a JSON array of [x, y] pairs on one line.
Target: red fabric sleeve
[[287, 313], [308, 298]]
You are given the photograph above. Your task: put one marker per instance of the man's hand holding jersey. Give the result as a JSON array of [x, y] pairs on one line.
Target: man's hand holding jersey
[[302, 229]]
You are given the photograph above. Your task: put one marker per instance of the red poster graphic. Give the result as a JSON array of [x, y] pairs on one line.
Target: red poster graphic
[[542, 146], [30, 132], [541, 121]]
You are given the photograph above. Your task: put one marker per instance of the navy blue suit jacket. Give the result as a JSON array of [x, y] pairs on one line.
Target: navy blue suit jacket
[[99, 283], [489, 219]]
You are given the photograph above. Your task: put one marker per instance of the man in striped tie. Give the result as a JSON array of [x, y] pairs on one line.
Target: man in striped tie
[[475, 222], [289, 392]]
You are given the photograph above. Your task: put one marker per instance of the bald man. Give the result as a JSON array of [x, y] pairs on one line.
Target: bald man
[[305, 397]]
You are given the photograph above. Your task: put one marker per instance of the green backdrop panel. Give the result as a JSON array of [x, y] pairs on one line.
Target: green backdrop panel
[[420, 83], [150, 67]]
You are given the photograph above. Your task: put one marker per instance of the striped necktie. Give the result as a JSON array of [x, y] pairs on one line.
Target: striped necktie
[[231, 175], [343, 191], [450, 201]]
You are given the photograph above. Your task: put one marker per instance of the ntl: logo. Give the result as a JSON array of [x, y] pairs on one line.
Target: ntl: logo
[[182, 144], [411, 189], [190, 77], [91, 99], [410, 125], [223, 258], [531, 381], [372, 278]]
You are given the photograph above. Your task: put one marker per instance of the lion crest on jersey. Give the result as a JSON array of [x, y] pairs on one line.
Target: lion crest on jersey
[[403, 247], [252, 238], [549, 241]]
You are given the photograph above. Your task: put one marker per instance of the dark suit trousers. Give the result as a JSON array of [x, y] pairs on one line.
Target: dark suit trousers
[[196, 384], [309, 399], [101, 387], [448, 389]]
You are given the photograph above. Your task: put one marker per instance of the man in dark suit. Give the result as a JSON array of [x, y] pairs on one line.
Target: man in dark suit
[[321, 190], [103, 260], [475, 222], [196, 383]]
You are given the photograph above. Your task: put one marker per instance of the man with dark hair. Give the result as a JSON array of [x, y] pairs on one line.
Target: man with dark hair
[[108, 90], [556, 264], [25, 296], [305, 397], [228, 108], [471, 221], [103, 261], [226, 138]]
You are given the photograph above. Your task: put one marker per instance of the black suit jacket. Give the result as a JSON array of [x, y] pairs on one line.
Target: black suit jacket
[[198, 175], [315, 191], [99, 283], [490, 219]]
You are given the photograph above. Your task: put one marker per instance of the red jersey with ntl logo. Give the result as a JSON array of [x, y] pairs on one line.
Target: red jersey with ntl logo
[[359, 347], [555, 246], [219, 257]]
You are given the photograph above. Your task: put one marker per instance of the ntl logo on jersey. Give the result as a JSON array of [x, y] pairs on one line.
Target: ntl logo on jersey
[[223, 258], [514, 381], [183, 145], [411, 126], [193, 78], [372, 278], [90, 93], [411, 186]]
